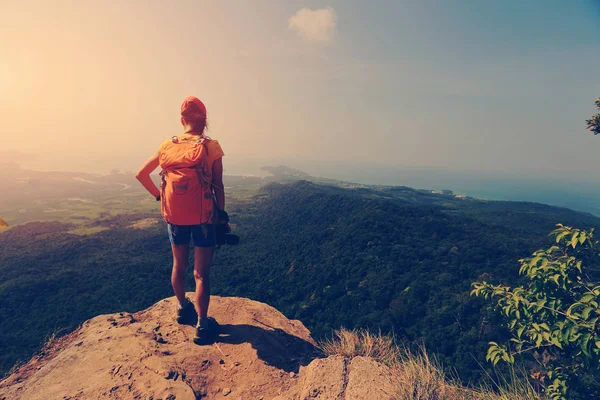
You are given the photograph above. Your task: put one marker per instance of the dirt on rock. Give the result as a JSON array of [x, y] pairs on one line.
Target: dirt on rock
[[259, 354]]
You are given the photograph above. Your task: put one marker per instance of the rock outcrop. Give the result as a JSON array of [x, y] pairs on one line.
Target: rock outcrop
[[260, 354], [338, 378]]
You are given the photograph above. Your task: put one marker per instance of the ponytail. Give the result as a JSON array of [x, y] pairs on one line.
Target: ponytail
[[195, 118]]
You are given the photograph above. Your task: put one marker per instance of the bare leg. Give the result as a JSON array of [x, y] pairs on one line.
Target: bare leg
[[202, 261], [180, 262]]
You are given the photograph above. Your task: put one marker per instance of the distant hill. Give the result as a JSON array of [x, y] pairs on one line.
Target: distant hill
[[16, 156], [286, 172]]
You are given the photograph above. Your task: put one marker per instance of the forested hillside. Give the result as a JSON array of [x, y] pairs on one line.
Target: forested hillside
[[390, 259], [393, 259]]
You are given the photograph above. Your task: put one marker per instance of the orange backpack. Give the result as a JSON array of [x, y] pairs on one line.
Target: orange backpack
[[186, 197]]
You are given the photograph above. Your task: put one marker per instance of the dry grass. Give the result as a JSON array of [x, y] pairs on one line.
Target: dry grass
[[360, 342], [517, 386], [422, 378], [418, 376], [52, 338], [13, 369]]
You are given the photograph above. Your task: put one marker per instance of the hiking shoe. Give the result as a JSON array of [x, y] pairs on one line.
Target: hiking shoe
[[207, 331], [187, 313]]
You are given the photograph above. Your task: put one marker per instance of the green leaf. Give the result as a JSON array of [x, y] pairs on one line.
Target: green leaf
[[574, 239], [540, 303], [567, 333], [523, 269], [586, 312], [572, 311], [587, 298], [560, 236], [584, 344], [556, 342], [508, 358], [593, 327], [539, 340]]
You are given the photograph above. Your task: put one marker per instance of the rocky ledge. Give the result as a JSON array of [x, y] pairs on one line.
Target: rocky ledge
[[260, 354]]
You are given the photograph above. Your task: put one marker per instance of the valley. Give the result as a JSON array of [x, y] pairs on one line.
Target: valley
[[329, 253]]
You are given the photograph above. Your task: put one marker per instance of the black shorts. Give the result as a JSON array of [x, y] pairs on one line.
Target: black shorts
[[202, 235]]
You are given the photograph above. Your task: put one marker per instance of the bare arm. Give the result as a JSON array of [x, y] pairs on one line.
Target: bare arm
[[217, 180], [143, 175]]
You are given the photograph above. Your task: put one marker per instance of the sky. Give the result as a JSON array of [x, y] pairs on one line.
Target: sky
[[469, 85]]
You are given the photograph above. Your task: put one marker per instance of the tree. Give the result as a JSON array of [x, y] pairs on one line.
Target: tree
[[553, 317], [3, 224], [593, 124]]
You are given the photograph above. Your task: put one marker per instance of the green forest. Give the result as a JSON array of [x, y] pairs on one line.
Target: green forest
[[392, 259]]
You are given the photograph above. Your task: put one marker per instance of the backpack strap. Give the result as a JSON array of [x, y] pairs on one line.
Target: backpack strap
[[163, 183], [199, 169]]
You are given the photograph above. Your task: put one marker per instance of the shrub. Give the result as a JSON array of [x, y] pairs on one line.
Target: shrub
[[553, 316], [593, 124]]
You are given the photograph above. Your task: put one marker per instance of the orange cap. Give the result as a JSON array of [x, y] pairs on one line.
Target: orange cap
[[190, 103]]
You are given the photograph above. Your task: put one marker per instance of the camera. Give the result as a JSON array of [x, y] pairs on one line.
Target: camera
[[223, 235]]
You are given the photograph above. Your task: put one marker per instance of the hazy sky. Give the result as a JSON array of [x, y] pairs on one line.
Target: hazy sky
[[475, 85]]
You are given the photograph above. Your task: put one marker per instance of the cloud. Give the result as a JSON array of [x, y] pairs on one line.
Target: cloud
[[314, 25]]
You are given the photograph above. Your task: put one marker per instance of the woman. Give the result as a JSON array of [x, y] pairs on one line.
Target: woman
[[202, 233]]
